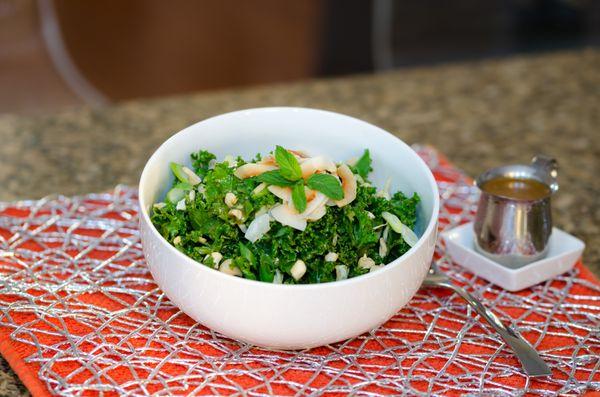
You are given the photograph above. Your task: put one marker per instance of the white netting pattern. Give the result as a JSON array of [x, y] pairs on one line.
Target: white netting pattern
[[53, 268]]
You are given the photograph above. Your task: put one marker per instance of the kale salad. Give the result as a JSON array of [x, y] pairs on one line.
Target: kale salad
[[285, 217]]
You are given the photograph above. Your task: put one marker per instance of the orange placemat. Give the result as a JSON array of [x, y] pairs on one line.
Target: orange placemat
[[81, 315]]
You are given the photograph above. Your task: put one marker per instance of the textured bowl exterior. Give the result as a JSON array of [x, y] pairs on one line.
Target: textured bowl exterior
[[290, 316]]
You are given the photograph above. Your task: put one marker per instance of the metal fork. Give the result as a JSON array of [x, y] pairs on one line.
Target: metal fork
[[530, 360]]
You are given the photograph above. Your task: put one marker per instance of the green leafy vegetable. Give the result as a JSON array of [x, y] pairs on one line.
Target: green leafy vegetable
[[201, 162], [205, 226], [265, 268], [178, 172], [326, 184], [288, 165], [363, 165], [299, 196], [274, 178], [247, 254]]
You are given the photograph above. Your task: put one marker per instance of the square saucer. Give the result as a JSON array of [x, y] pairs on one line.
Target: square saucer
[[563, 252]]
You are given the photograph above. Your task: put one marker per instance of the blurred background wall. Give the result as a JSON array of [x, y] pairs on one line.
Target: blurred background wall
[[57, 53]]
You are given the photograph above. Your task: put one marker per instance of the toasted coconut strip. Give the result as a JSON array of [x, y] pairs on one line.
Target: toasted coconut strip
[[288, 216], [310, 194], [269, 159], [319, 200], [317, 214], [299, 153], [352, 161], [348, 185], [252, 169], [315, 164], [284, 193]]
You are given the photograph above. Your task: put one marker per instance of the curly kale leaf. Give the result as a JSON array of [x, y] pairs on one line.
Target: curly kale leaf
[[201, 161], [206, 226]]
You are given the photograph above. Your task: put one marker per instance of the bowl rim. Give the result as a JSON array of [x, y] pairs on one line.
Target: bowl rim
[[431, 226]]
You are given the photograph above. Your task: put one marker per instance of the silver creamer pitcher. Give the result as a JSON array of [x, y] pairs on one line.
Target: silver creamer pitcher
[[515, 231]]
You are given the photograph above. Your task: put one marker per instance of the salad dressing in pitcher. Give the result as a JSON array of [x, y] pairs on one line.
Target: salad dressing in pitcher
[[516, 188], [513, 223]]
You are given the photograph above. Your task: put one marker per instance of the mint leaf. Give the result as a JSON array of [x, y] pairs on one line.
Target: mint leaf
[[363, 165], [299, 196], [326, 184], [274, 178], [288, 165]]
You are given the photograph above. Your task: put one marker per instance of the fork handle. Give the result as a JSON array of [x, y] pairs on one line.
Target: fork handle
[[530, 360]]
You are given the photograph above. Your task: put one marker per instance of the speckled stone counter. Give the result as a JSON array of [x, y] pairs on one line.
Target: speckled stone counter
[[479, 114]]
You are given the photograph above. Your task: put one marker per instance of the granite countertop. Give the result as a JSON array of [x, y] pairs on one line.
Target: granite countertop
[[480, 114]]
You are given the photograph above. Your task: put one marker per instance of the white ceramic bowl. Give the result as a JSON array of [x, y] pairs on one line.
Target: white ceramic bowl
[[290, 316]]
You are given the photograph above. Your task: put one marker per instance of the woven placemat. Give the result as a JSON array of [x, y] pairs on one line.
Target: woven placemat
[[81, 315]]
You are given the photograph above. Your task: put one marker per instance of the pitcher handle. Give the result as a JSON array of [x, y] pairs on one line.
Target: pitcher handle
[[548, 168]]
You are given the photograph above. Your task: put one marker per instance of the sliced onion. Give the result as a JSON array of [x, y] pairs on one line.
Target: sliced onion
[[278, 278], [341, 272], [375, 268], [262, 210], [192, 178], [407, 234], [229, 159], [175, 195], [258, 227], [259, 188], [385, 192], [386, 232], [383, 249]]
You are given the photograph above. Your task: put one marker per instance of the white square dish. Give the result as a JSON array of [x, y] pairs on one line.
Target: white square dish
[[564, 251]]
